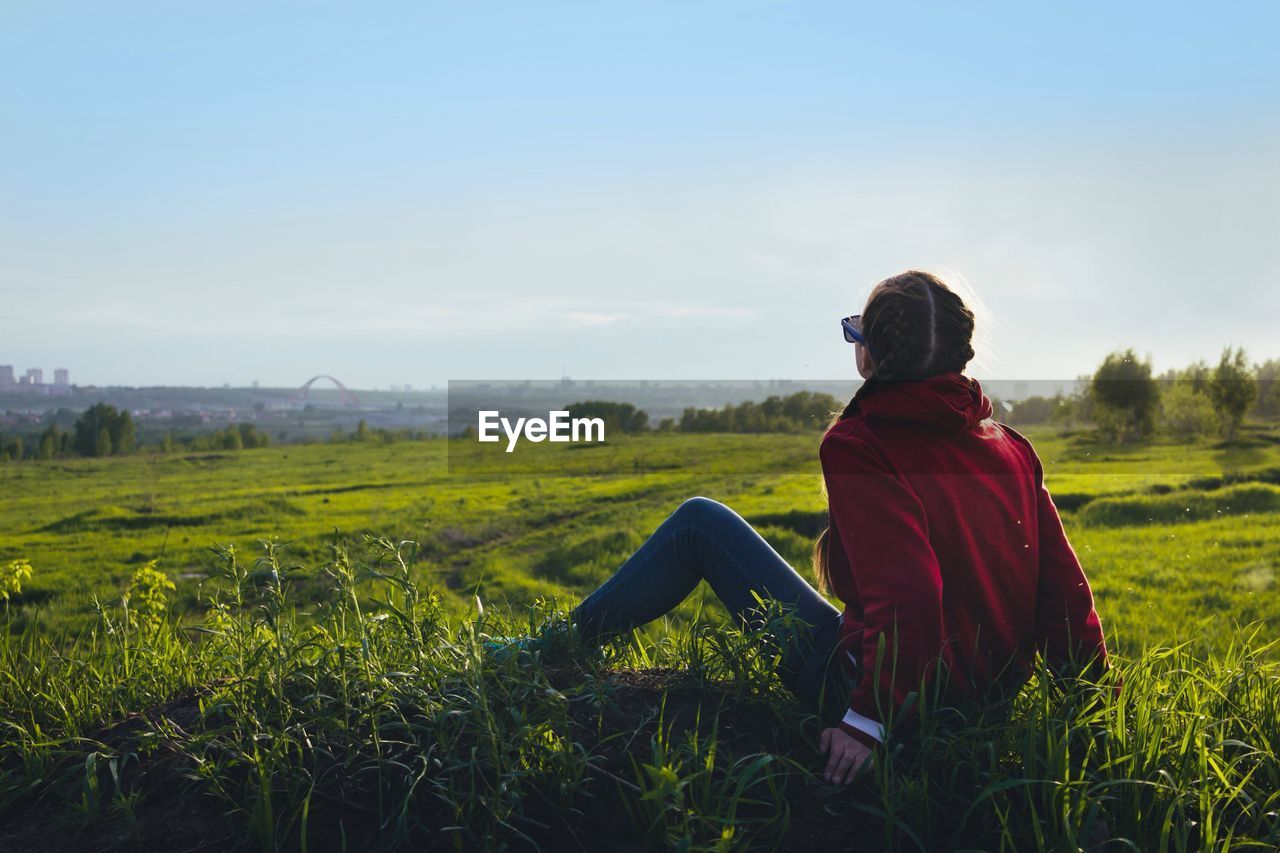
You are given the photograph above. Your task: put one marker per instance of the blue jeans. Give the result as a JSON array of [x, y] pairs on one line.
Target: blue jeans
[[704, 539]]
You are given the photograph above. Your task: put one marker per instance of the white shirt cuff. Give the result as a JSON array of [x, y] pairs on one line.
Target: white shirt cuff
[[863, 724], [859, 722]]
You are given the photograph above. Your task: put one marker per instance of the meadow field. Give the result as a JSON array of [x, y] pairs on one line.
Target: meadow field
[[318, 685], [1168, 533]]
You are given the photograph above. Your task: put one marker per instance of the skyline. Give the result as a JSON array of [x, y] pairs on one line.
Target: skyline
[[194, 197]]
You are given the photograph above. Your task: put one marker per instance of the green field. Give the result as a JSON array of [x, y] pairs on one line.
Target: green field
[[1205, 550], [330, 686]]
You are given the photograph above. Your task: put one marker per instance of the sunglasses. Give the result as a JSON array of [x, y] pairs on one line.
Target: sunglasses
[[853, 332]]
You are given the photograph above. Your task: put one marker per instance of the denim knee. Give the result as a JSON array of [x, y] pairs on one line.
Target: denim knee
[[698, 510]]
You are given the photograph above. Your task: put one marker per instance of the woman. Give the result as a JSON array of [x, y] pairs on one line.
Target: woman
[[943, 542]]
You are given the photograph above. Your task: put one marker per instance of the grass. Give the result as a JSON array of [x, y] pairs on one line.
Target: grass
[[330, 695]]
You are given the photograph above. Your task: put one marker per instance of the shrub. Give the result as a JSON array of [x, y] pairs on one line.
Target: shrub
[[12, 577], [148, 597], [1187, 413]]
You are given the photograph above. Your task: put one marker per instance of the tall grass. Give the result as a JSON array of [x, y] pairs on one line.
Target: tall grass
[[375, 720]]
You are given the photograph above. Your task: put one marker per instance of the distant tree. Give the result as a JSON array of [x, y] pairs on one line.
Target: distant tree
[[119, 425], [1076, 407], [362, 430], [1232, 390], [808, 410], [124, 435], [1185, 412], [667, 425], [617, 417], [1196, 375], [1267, 375], [102, 443], [1032, 410], [231, 439], [87, 426], [167, 446], [50, 442], [1125, 397], [1270, 405], [13, 449], [250, 437]]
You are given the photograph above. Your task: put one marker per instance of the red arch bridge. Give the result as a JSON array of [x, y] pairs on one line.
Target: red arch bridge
[[347, 398]]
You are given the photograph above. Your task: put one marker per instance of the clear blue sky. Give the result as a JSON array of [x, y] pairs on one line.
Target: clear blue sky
[[424, 192]]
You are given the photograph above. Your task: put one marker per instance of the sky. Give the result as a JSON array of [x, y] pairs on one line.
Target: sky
[[193, 194]]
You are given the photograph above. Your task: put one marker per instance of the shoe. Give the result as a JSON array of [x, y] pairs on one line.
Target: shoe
[[552, 641], [502, 647]]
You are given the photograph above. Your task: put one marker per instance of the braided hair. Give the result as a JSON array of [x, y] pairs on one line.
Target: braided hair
[[917, 327]]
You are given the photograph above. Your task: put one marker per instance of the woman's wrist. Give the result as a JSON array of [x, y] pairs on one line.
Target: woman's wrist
[[858, 734], [864, 728]]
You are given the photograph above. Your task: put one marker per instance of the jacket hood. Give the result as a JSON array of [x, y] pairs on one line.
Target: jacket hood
[[950, 401]]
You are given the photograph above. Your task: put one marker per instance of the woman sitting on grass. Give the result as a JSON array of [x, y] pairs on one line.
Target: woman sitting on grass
[[943, 543]]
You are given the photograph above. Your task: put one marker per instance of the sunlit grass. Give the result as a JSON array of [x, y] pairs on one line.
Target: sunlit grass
[[380, 720]]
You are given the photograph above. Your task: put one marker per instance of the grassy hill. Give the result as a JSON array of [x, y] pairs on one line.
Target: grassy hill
[[331, 694]]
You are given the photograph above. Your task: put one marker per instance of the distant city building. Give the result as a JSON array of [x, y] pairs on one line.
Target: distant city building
[[32, 382]]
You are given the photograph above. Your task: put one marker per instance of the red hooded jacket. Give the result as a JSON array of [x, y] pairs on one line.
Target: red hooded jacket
[[944, 541]]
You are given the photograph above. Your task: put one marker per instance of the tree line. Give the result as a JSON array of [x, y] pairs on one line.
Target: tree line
[[802, 411], [103, 430], [1126, 401], [1123, 399], [363, 433]]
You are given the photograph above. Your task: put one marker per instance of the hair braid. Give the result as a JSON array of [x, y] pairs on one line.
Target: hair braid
[[917, 327]]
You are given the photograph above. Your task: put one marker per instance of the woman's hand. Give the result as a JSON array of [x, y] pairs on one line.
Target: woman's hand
[[847, 755]]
